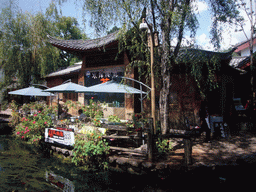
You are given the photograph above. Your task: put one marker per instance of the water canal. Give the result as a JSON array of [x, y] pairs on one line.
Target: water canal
[[25, 168]]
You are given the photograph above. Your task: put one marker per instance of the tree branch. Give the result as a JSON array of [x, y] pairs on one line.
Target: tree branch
[[181, 27]]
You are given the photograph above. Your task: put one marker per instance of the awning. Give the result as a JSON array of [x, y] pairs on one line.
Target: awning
[[111, 87], [30, 91]]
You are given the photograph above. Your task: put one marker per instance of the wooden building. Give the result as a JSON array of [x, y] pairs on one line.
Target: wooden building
[[101, 60], [186, 97]]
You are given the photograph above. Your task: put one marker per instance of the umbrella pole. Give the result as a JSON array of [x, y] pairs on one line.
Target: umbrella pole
[[58, 108], [141, 104]]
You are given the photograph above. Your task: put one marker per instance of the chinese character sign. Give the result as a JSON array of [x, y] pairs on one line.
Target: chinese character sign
[[62, 136]]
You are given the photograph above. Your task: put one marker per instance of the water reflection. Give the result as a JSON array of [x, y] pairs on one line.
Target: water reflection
[[24, 168]]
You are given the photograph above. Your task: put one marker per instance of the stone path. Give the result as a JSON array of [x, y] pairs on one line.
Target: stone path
[[218, 152]]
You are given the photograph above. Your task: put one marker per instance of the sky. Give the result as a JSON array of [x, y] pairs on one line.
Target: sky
[[230, 37]]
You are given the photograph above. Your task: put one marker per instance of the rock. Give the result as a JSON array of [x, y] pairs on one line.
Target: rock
[[142, 148], [148, 164], [161, 165], [248, 159], [121, 160]]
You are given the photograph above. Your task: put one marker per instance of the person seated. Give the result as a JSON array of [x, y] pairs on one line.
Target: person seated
[[82, 116]]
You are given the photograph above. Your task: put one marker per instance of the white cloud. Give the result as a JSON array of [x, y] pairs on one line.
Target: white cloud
[[233, 34], [202, 6], [229, 35], [199, 6], [204, 42], [186, 41]]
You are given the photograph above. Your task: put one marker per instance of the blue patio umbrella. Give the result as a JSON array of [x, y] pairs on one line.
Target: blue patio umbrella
[[114, 87], [68, 87], [111, 87], [30, 91]]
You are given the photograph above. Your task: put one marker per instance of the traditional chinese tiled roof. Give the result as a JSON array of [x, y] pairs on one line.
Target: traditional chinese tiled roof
[[239, 62], [198, 55], [83, 45], [69, 70]]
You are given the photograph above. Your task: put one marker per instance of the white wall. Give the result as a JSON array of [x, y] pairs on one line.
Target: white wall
[[246, 52]]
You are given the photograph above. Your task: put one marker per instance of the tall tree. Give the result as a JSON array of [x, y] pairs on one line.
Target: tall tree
[[25, 54], [171, 18]]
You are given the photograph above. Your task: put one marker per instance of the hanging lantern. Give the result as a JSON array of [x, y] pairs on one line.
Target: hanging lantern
[[88, 74]]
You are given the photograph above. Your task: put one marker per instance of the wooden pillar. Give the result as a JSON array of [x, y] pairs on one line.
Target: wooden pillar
[[150, 140], [187, 151]]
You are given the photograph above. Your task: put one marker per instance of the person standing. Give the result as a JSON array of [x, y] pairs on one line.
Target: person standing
[[204, 116]]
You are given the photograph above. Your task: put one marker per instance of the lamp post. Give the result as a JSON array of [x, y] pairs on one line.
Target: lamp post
[[144, 26]]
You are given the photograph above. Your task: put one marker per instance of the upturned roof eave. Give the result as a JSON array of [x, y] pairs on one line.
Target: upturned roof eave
[[84, 45], [77, 50]]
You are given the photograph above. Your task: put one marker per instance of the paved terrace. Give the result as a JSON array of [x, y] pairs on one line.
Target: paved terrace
[[233, 151]]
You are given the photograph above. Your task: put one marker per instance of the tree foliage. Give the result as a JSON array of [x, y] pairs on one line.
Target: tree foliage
[[172, 19], [26, 56]]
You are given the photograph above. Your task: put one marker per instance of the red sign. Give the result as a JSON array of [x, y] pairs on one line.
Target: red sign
[[64, 129], [59, 135], [104, 80], [52, 133]]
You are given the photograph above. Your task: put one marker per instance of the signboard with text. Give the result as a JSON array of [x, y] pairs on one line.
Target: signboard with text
[[59, 182], [60, 136]]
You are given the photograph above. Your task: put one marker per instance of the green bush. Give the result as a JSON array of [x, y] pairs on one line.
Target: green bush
[[114, 119], [97, 121], [93, 109], [163, 147], [32, 127], [15, 119], [91, 150]]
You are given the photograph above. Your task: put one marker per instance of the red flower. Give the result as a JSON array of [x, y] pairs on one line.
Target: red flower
[[91, 97], [35, 115], [45, 122], [34, 122], [39, 111], [139, 129]]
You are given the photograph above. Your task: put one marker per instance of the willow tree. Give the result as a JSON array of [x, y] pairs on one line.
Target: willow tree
[[171, 18], [25, 54]]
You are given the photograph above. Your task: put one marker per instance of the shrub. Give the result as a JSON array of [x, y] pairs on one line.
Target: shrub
[[139, 119], [163, 147], [50, 110], [114, 119], [97, 121], [15, 116], [15, 119], [32, 127], [14, 106], [71, 104], [91, 150], [93, 109]]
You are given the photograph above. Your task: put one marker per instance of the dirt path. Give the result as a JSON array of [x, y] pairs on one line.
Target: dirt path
[[219, 152]]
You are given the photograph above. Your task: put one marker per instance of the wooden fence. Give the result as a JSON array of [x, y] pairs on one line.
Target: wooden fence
[[150, 140]]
